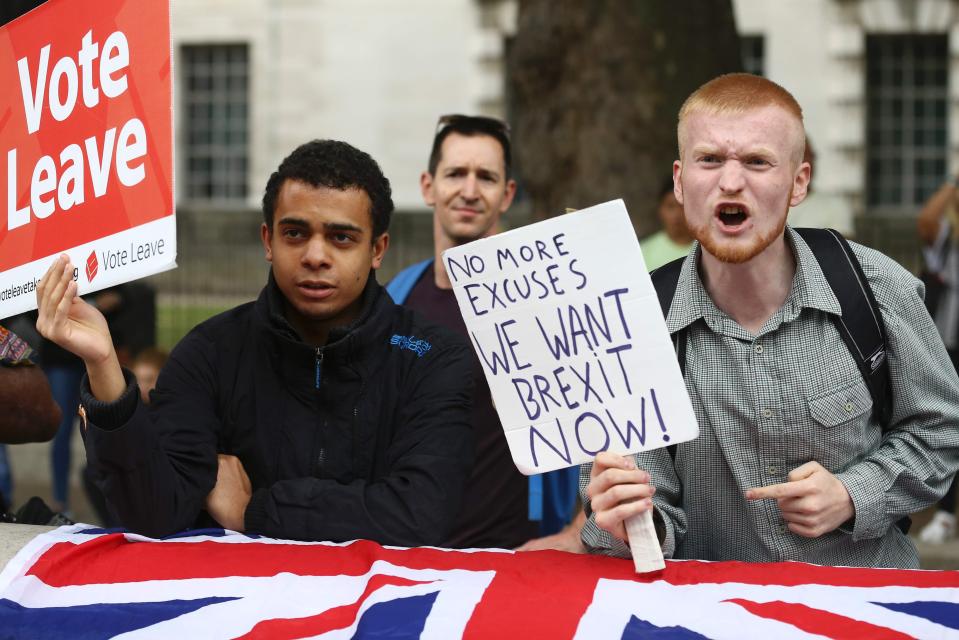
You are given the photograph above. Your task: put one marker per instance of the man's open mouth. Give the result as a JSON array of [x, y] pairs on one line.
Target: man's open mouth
[[732, 215]]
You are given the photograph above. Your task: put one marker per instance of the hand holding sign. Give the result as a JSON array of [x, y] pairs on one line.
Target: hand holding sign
[[621, 499], [80, 328], [567, 326], [617, 490]]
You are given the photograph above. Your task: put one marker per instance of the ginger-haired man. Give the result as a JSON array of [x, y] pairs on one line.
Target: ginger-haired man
[[792, 461]]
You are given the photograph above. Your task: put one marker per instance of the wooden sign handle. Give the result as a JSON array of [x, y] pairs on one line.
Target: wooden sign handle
[[644, 543]]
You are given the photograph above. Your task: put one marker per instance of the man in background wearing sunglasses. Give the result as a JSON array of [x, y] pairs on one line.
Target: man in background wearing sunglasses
[[469, 187]]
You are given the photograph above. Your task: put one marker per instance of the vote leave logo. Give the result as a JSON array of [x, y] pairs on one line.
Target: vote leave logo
[[93, 266]]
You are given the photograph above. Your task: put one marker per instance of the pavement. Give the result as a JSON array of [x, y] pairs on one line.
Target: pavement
[[14, 536]]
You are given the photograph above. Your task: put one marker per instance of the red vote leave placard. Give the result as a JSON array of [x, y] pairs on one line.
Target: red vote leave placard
[[86, 145]]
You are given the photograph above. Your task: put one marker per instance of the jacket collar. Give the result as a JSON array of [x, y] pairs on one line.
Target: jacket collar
[[347, 342]]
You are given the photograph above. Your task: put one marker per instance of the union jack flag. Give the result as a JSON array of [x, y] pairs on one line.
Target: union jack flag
[[78, 582]]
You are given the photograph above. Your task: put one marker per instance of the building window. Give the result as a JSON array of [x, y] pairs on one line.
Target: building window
[[215, 89], [752, 49], [906, 135]]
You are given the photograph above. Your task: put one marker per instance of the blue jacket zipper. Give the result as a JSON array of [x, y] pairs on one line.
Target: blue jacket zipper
[[319, 366]]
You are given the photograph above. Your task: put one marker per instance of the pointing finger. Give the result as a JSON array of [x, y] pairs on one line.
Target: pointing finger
[[776, 491]]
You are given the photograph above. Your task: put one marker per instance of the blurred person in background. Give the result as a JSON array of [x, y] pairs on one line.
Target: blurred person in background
[[469, 186], [146, 368], [938, 228], [673, 240], [818, 209], [27, 410]]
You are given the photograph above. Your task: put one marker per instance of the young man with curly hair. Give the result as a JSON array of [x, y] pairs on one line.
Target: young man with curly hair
[[321, 411]]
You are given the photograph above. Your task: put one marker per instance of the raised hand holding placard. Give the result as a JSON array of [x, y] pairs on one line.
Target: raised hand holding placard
[[567, 327]]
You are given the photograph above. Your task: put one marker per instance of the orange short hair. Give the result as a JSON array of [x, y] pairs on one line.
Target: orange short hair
[[736, 93]]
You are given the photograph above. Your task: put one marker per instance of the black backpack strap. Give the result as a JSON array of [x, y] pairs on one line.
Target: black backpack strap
[[665, 279], [860, 324]]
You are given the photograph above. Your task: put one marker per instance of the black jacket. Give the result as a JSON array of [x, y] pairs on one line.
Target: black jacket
[[367, 437]]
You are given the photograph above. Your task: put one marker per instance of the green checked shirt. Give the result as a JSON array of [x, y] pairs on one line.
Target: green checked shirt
[[769, 403]]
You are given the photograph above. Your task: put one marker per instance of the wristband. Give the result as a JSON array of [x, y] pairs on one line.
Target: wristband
[[13, 349]]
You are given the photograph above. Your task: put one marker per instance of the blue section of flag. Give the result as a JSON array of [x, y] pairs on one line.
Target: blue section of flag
[[637, 629], [91, 621], [401, 618], [944, 613], [190, 533], [96, 531], [210, 533]]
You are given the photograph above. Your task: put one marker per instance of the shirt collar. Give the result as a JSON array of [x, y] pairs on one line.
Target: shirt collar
[[809, 289]]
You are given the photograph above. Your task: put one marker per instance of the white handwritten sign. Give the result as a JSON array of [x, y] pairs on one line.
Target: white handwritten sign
[[565, 321]]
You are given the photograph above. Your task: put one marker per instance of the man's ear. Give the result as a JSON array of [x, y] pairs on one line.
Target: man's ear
[[426, 188], [678, 180], [510, 194], [266, 236], [380, 245], [800, 184]]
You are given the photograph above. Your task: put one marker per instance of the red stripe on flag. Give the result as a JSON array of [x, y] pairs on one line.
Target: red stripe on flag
[[67, 563], [817, 621], [330, 620]]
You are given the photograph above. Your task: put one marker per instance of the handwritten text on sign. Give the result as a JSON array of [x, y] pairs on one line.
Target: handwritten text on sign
[[567, 326]]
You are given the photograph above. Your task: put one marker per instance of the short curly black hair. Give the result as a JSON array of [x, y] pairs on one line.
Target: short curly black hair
[[335, 165]]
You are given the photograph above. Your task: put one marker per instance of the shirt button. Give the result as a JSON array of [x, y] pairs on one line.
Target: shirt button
[[848, 407], [758, 348], [772, 470], [767, 413], [783, 529]]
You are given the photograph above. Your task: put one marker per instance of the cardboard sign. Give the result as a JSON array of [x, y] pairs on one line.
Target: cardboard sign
[[565, 321], [86, 145]]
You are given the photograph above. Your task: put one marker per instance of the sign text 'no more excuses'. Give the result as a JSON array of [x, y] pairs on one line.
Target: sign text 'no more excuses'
[[568, 330]]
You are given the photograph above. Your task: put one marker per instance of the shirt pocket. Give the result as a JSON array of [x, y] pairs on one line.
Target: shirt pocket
[[840, 419], [834, 408]]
